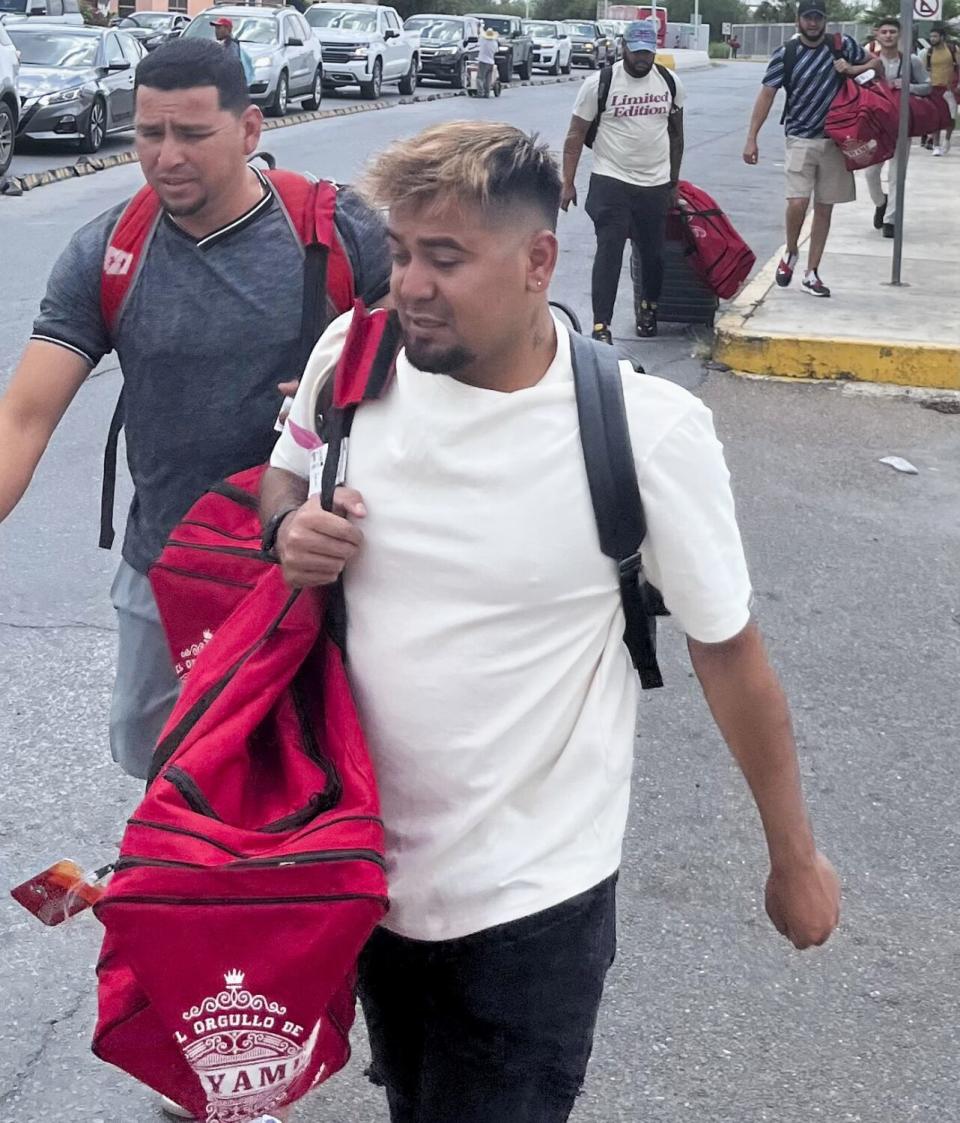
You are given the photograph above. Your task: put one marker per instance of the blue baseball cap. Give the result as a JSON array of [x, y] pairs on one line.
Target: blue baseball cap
[[640, 35]]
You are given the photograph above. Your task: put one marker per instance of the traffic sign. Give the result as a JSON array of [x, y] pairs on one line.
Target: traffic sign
[[726, 29], [928, 9]]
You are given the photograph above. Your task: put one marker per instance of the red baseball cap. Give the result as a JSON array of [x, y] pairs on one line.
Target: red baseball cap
[[221, 21]]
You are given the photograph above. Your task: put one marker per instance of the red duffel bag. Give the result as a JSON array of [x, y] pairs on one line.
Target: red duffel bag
[[716, 251], [928, 113], [249, 877], [862, 120]]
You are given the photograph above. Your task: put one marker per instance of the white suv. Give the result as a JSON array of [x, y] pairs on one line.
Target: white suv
[[51, 11], [9, 99]]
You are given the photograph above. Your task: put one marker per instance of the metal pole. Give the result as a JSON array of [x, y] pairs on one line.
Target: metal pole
[[903, 138]]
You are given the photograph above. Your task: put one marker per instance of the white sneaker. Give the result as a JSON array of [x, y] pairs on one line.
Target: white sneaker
[[174, 1110], [938, 151]]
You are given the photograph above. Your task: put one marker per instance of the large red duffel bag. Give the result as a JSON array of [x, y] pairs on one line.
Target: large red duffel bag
[[252, 873], [863, 120], [929, 113], [716, 251]]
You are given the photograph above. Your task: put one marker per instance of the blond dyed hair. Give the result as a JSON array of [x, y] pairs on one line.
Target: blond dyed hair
[[488, 164]]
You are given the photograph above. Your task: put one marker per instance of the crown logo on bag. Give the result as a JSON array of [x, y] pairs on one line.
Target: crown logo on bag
[[234, 978]]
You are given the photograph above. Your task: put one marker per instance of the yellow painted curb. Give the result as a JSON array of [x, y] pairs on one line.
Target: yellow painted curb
[[745, 350]]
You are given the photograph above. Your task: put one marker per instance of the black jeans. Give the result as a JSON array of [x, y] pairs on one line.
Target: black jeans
[[496, 1027], [620, 211]]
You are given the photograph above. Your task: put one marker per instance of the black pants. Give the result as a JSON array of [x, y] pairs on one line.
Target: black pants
[[620, 211], [496, 1027]]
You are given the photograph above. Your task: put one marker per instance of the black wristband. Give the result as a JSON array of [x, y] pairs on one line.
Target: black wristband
[[268, 540]]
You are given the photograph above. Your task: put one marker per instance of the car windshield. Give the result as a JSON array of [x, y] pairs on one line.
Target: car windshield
[[55, 47], [541, 30], [500, 26], [246, 29], [156, 21], [583, 29], [321, 15], [445, 30]]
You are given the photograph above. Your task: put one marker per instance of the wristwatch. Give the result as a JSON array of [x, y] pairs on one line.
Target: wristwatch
[[268, 540]]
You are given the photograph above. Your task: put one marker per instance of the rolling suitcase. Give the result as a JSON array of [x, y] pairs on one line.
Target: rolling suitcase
[[685, 298]]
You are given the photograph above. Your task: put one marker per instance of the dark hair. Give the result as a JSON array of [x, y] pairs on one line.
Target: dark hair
[[184, 64], [889, 21]]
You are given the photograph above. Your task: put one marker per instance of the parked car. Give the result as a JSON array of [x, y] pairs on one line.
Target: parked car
[[9, 98], [447, 44], [552, 49], [154, 28], [591, 46], [515, 52], [50, 11], [614, 29], [76, 83], [365, 45], [283, 53]]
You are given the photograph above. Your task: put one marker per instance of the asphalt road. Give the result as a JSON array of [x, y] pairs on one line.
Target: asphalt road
[[709, 1017]]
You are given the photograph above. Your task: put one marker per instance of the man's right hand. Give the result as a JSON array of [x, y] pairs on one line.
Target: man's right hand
[[568, 195], [751, 154], [314, 545]]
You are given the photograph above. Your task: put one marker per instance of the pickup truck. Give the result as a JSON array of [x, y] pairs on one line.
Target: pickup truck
[[365, 45], [447, 45], [591, 45], [515, 52]]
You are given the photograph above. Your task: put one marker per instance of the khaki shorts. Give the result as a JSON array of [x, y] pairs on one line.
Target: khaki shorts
[[815, 167]]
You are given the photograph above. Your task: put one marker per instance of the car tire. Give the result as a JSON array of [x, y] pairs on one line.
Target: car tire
[[8, 132], [96, 128], [313, 101], [408, 83], [459, 80], [371, 89], [555, 69], [506, 72], [566, 69], [281, 97], [523, 70]]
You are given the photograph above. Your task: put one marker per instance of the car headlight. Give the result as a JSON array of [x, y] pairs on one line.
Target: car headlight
[[360, 52], [61, 97], [262, 63], [588, 47], [448, 50]]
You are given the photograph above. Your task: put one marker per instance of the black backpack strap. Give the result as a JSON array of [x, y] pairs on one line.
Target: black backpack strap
[[615, 494], [109, 488], [667, 76], [789, 62], [603, 92]]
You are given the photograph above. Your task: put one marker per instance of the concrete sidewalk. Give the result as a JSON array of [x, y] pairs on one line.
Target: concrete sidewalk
[[868, 330]]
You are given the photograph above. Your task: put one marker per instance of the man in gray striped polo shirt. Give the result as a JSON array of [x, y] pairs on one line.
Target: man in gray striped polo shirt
[[811, 68]]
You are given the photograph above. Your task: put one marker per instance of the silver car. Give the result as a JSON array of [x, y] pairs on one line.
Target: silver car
[[9, 98], [282, 52], [76, 83]]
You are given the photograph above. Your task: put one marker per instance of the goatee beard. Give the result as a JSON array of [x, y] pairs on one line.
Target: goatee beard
[[437, 360]]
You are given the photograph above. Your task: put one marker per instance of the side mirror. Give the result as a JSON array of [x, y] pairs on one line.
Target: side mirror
[[293, 41], [391, 34], [470, 39], [122, 64]]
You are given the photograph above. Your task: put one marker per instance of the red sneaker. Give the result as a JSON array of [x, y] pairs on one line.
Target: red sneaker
[[785, 268]]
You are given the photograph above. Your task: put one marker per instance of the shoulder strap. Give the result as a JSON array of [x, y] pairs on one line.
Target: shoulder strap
[[603, 92], [125, 252], [667, 76], [837, 45], [789, 62], [614, 491]]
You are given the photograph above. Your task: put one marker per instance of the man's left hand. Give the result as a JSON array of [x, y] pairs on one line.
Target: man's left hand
[[804, 902], [896, 83], [841, 66]]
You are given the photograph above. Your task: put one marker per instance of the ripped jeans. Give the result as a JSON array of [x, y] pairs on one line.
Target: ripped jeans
[[493, 1027]]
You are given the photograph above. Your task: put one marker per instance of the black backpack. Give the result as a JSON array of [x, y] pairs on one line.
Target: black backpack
[[790, 52], [617, 508], [603, 92]]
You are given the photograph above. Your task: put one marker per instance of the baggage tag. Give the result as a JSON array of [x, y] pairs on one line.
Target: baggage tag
[[318, 457], [60, 892], [283, 414]]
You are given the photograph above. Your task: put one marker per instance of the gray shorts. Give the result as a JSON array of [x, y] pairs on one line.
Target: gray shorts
[[146, 687], [816, 167]]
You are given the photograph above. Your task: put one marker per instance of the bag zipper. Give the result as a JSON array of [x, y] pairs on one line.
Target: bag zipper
[[134, 861], [167, 828], [160, 899], [235, 551], [218, 530], [202, 576]]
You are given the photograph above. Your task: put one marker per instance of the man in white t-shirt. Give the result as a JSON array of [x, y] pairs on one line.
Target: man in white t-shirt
[[637, 151], [484, 641], [486, 60]]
